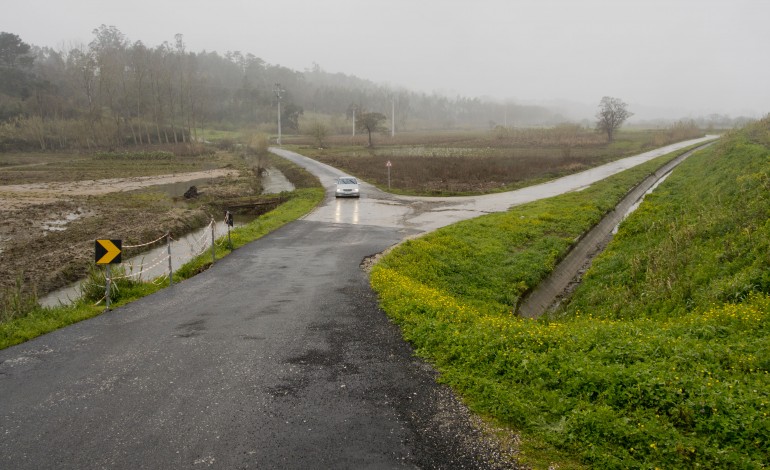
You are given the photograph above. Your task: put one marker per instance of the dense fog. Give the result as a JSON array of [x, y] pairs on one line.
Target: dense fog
[[686, 58]]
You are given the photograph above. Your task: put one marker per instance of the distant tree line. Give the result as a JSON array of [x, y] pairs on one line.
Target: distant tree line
[[115, 92]]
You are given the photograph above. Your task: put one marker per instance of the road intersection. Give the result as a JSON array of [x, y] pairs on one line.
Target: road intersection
[[276, 357]]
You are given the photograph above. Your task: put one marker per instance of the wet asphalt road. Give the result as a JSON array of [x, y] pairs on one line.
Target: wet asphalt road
[[276, 357]]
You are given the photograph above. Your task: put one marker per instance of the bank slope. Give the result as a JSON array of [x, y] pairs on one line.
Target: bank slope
[[659, 360]]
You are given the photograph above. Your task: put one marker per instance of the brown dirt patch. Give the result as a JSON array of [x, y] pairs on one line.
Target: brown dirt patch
[[47, 238], [19, 196]]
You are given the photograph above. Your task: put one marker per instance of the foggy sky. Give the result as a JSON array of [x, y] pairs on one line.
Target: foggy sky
[[665, 58]]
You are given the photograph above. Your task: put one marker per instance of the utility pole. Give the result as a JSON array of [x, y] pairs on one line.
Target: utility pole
[[354, 122], [278, 94], [393, 115]]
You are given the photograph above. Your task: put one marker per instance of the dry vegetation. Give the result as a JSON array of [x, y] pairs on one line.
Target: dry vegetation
[[483, 161], [47, 241]]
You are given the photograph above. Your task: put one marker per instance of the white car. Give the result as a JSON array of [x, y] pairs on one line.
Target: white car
[[347, 186]]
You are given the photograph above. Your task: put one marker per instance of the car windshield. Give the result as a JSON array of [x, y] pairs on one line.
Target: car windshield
[[347, 181]]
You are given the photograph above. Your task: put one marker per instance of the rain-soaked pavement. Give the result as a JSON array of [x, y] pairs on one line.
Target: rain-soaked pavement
[[382, 209], [277, 356]]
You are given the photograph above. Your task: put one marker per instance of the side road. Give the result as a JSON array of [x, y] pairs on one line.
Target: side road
[[429, 213]]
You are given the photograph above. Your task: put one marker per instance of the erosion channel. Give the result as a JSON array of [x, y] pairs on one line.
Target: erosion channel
[[565, 277]]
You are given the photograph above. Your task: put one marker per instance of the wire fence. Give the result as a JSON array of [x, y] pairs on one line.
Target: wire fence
[[148, 243], [157, 263]]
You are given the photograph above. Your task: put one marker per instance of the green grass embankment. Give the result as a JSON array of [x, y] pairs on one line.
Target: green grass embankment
[[40, 320], [661, 359]]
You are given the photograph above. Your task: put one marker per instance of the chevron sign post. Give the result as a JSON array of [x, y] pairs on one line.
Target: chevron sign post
[[108, 252]]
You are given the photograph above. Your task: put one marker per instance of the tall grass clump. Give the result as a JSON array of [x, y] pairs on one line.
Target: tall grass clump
[[661, 359], [17, 301], [94, 287]]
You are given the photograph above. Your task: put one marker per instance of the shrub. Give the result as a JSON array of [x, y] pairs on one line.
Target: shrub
[[94, 287]]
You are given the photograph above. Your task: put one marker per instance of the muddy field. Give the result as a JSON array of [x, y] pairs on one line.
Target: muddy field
[[467, 163], [54, 206]]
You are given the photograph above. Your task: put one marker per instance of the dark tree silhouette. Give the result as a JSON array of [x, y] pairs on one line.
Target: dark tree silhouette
[[370, 122], [612, 114], [14, 52]]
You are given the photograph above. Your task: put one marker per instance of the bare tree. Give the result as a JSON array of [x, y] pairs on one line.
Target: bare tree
[[82, 65], [158, 73], [319, 131], [139, 66], [612, 114], [109, 49], [371, 122]]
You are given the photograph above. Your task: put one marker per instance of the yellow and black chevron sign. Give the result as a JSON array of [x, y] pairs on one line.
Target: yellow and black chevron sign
[[108, 251]]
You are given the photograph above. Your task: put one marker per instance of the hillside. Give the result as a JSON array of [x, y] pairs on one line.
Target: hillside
[[661, 358]]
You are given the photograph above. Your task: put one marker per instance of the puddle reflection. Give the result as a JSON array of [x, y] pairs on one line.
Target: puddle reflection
[[347, 211]]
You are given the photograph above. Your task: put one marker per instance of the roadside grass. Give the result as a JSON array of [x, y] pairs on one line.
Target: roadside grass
[[701, 238], [612, 383], [500, 257], [39, 320]]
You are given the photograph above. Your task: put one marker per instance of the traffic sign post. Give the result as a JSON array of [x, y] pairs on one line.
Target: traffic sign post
[[170, 269], [229, 222], [108, 285], [388, 165], [108, 252]]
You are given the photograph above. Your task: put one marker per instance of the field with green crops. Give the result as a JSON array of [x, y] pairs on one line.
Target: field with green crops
[[659, 361]]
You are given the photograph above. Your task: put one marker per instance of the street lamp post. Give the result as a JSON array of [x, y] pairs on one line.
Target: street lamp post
[[278, 94], [393, 115]]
